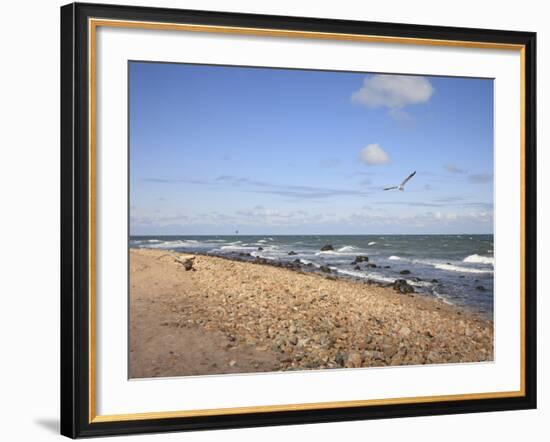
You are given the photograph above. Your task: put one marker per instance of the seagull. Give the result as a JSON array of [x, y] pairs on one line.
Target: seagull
[[402, 185]]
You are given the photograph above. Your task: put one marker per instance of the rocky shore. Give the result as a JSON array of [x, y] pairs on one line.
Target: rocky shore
[[197, 315]]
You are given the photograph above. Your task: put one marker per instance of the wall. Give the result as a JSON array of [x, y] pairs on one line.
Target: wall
[[29, 170]]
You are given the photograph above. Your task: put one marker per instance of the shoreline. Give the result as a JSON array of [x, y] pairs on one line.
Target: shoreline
[[233, 315], [407, 282]]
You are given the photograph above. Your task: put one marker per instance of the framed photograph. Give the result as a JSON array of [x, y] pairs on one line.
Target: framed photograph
[[274, 220]]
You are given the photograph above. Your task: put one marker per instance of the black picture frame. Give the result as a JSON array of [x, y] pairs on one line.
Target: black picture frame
[[75, 220]]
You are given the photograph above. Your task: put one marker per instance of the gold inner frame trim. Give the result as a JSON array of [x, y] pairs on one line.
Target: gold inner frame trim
[[93, 24]]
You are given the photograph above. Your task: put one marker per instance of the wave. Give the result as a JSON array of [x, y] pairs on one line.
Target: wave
[[371, 243], [237, 247], [262, 241], [364, 275], [442, 298], [347, 249], [453, 268], [394, 258], [171, 244], [478, 259]]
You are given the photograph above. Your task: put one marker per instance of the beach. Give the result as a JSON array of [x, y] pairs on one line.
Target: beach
[[228, 316]]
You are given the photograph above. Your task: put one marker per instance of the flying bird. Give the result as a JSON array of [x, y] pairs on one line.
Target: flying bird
[[402, 185]]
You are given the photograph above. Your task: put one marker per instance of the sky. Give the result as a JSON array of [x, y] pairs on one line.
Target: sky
[[215, 149]]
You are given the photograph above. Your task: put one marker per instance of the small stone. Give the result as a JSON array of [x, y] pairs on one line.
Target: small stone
[[340, 359], [232, 362], [354, 360], [404, 331]]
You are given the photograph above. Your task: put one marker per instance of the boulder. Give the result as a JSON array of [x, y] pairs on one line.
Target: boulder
[[325, 269], [260, 248], [361, 258], [371, 265], [405, 272], [292, 252], [402, 286], [327, 247], [357, 268]]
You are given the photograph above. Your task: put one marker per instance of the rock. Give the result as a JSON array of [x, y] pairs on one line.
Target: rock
[[402, 286], [354, 360], [387, 267], [435, 281], [297, 261], [374, 355], [357, 268], [340, 359], [244, 254], [361, 258], [481, 288], [309, 264], [325, 269], [404, 331], [232, 362], [260, 260], [327, 247], [292, 252], [293, 340], [370, 265], [260, 248], [405, 272]]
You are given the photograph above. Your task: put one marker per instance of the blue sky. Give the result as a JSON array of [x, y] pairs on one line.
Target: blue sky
[[215, 149]]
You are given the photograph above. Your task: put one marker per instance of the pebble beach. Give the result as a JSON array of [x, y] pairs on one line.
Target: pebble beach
[[192, 314]]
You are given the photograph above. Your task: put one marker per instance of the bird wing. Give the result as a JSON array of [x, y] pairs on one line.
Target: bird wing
[[408, 178], [390, 188]]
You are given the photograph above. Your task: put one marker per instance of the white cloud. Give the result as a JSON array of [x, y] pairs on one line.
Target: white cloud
[[393, 91], [373, 155]]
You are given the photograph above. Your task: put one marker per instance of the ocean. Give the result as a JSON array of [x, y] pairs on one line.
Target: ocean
[[458, 269]]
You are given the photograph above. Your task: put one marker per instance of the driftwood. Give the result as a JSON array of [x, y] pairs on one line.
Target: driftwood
[[187, 263]]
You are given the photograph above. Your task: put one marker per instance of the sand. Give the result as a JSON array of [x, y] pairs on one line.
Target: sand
[[228, 316]]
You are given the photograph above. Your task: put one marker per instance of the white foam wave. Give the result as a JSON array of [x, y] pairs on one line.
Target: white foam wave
[[172, 244], [364, 275], [237, 248], [442, 298], [478, 259], [262, 241], [394, 258], [453, 268], [371, 243], [347, 249]]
